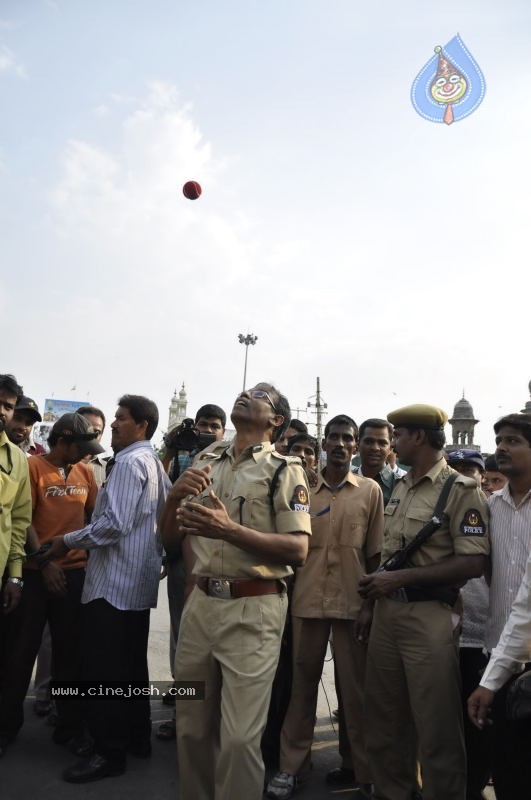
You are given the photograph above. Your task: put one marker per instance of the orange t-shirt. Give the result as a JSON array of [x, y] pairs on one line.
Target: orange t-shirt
[[61, 506]]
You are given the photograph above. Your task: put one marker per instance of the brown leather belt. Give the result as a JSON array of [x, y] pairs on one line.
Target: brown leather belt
[[225, 589]]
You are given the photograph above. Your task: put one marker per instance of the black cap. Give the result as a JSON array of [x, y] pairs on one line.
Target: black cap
[[76, 428], [30, 407]]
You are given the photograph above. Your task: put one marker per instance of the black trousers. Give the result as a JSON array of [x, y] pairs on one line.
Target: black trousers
[[22, 638], [511, 752], [280, 693], [472, 663], [114, 652]]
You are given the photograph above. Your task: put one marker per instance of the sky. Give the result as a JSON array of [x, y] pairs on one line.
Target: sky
[[360, 243]]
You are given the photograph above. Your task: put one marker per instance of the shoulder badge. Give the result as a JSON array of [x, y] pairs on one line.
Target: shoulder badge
[[472, 524], [300, 500]]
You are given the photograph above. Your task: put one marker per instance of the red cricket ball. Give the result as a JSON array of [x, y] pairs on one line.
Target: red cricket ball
[[192, 190]]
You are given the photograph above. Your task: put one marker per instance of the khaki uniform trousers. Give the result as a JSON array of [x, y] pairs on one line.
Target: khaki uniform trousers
[[310, 639], [233, 646], [413, 699]]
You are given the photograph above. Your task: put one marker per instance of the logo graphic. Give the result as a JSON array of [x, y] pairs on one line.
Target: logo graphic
[[450, 86]]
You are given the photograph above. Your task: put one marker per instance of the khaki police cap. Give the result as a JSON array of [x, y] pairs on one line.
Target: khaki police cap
[[420, 415]]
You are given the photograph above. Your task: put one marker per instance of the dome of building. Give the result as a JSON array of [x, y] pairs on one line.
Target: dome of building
[[463, 410]]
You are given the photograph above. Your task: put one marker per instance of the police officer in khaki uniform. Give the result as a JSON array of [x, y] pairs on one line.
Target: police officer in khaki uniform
[[243, 509], [413, 702]]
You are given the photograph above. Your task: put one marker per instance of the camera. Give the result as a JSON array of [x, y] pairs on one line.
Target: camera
[[186, 437]]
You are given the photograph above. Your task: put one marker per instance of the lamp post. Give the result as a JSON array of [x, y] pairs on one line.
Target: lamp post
[[246, 340]]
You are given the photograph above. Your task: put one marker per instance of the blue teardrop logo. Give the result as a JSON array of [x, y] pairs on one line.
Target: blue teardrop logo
[[450, 86]]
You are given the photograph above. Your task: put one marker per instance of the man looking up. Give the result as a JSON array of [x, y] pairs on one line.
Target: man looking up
[[121, 586], [413, 698], [374, 448], [246, 521], [15, 499]]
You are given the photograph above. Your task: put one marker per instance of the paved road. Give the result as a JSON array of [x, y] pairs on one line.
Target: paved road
[[32, 766]]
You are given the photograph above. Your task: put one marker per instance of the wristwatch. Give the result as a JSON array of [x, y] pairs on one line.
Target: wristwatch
[[16, 581]]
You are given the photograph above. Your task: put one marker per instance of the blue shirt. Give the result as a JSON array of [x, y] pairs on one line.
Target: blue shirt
[[126, 550]]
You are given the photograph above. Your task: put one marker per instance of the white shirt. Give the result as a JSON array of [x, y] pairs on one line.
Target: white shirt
[[514, 647], [125, 548], [510, 533]]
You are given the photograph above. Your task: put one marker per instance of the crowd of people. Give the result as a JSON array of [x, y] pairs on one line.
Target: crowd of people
[[410, 560]]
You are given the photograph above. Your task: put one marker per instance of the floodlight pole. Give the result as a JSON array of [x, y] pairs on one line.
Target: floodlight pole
[[246, 340]]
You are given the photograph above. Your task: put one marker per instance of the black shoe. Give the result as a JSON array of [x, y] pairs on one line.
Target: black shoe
[[340, 776], [92, 769], [140, 749], [166, 731], [42, 707]]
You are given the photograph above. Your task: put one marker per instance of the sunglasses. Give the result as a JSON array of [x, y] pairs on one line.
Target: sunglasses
[[260, 394]]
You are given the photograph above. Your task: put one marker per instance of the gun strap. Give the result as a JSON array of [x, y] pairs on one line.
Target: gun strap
[[419, 539]]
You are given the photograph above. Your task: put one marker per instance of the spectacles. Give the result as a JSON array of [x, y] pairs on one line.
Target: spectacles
[[259, 394]]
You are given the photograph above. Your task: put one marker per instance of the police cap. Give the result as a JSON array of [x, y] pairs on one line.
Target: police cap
[[419, 415]]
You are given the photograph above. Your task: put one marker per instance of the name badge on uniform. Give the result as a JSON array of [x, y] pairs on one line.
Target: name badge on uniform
[[391, 506], [472, 524], [300, 500]]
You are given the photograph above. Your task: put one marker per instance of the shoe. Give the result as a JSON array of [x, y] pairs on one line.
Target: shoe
[[42, 707], [81, 746], [340, 777], [166, 731], [141, 749], [92, 769], [282, 786]]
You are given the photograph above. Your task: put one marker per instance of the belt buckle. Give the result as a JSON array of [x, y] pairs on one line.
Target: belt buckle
[[219, 588]]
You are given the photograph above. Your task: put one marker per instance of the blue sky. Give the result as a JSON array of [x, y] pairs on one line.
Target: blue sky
[[361, 243]]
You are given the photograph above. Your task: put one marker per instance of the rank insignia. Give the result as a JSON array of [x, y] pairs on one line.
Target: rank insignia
[[300, 500], [472, 524]]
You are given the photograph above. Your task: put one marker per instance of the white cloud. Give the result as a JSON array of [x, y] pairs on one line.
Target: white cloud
[[8, 62]]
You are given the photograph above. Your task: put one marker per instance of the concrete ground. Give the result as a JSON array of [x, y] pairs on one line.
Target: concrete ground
[[32, 766]]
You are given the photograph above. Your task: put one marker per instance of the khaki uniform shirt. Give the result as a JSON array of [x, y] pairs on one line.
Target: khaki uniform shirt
[[243, 485], [15, 506], [347, 529], [465, 519]]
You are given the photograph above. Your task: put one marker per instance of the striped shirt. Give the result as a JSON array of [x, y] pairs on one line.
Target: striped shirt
[[514, 647], [510, 530], [126, 551]]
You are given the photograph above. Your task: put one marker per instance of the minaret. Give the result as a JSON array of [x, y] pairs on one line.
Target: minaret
[[463, 424], [527, 409], [177, 408]]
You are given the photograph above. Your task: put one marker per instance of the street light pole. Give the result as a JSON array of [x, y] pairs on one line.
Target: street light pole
[[246, 340]]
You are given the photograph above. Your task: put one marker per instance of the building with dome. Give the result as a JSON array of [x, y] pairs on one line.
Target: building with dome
[[177, 408], [463, 423]]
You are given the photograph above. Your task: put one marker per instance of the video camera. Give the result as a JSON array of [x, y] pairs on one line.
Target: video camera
[[186, 437]]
